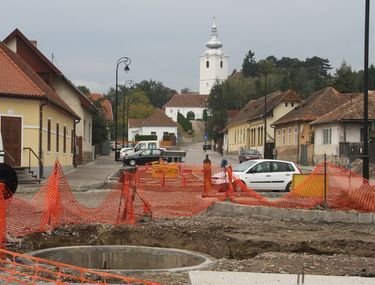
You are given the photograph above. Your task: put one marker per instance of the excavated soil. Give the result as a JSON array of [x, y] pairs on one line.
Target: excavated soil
[[239, 244]]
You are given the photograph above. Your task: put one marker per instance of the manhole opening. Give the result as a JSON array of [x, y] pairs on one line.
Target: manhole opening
[[127, 258]]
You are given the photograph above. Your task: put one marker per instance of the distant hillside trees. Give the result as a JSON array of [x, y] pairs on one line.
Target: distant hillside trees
[[264, 76]]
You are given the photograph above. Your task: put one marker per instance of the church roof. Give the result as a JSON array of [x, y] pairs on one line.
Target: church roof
[[214, 42], [187, 100]]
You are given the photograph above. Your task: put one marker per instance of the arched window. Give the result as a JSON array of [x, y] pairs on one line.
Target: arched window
[[190, 115], [221, 64], [207, 64]]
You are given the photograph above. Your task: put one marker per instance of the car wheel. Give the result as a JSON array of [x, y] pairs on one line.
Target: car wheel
[[132, 162], [288, 187]]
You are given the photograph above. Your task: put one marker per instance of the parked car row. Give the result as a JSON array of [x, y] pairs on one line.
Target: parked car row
[[150, 155]]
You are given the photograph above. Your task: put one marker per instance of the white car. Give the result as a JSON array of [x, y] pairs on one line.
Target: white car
[[124, 151], [263, 174]]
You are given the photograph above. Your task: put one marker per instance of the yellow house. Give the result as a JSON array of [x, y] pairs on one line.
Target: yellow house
[[294, 135], [246, 129], [63, 87], [37, 126]]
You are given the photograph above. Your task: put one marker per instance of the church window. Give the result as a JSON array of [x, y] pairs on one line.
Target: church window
[[221, 64], [207, 64]]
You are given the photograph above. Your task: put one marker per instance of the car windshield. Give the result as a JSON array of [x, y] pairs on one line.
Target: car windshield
[[251, 151], [244, 166]]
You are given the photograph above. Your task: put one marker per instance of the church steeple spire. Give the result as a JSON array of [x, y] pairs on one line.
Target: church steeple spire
[[214, 43]]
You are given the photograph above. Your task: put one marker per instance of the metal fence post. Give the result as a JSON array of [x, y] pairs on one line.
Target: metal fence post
[[325, 182]]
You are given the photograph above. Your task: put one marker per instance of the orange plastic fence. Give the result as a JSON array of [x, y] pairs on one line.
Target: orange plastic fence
[[182, 194], [172, 190], [55, 204], [18, 268]]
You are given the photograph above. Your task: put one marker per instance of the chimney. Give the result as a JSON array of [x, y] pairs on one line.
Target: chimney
[[34, 43]]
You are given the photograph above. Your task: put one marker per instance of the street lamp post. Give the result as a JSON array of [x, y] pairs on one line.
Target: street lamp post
[[205, 117], [126, 61], [265, 116], [127, 83], [365, 157]]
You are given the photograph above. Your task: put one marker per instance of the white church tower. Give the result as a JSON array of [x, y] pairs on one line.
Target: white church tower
[[213, 64]]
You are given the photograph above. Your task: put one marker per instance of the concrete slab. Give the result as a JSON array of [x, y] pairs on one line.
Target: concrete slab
[[246, 278]]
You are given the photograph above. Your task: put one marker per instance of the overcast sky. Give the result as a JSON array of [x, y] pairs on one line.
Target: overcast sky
[[164, 38]]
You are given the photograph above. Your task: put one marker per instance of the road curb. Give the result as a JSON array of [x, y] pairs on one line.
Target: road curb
[[329, 216]]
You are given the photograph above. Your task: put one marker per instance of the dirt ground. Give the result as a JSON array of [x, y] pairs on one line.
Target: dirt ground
[[239, 244]]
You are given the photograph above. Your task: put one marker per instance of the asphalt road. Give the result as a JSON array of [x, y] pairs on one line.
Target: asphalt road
[[196, 154]]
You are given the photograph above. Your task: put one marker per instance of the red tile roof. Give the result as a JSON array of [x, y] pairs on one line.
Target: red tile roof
[[351, 111], [316, 105], [254, 109], [17, 79], [158, 119], [105, 103], [85, 102], [187, 100], [135, 123]]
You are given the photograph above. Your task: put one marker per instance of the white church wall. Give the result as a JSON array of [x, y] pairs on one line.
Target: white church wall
[[172, 112]]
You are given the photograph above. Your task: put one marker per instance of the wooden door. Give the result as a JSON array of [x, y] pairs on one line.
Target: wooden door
[[11, 132]]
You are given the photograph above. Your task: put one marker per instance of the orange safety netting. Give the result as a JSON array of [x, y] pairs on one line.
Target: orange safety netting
[[16, 268], [178, 189], [171, 190], [55, 205]]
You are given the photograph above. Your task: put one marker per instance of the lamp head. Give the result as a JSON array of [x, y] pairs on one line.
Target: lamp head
[[126, 69]]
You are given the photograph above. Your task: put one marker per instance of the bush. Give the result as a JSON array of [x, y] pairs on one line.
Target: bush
[[185, 123], [145, 138]]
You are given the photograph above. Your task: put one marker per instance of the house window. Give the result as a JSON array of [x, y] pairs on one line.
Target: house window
[[244, 138], [84, 129], [289, 136], [57, 137], [64, 140], [240, 136], [49, 135], [286, 104], [327, 136], [207, 64], [283, 137], [295, 135], [279, 135], [221, 64], [292, 104], [165, 134], [261, 135], [89, 132], [71, 141], [153, 133]]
